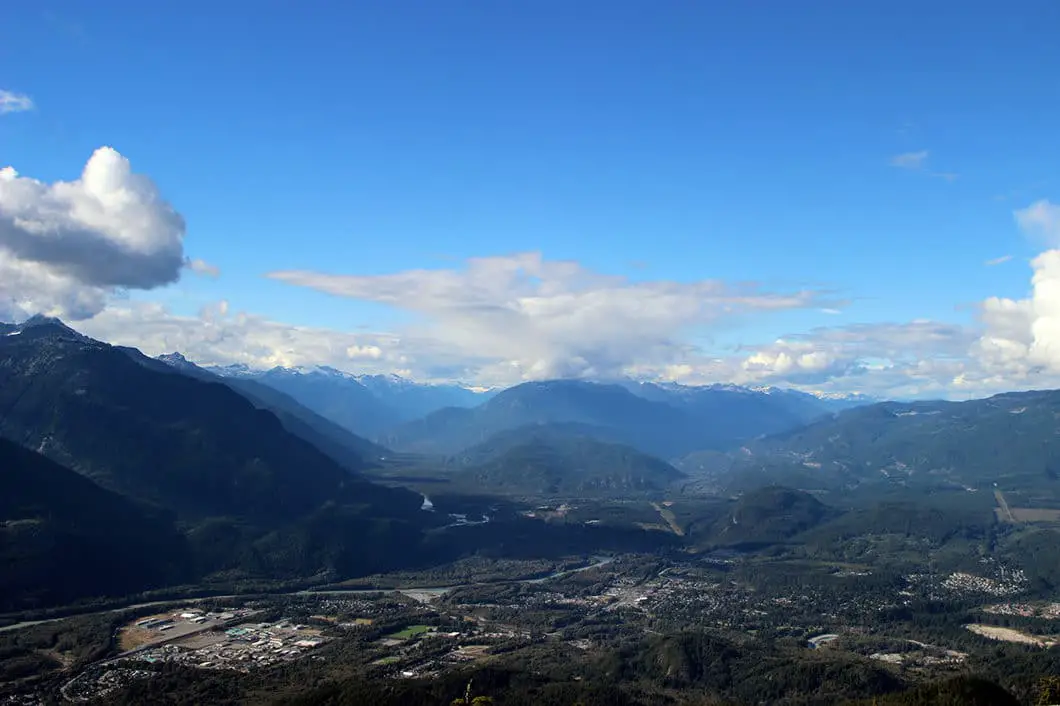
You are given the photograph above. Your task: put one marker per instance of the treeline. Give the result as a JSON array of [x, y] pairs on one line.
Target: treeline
[[959, 691]]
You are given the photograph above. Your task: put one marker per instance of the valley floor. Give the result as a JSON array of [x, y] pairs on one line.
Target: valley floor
[[864, 632]]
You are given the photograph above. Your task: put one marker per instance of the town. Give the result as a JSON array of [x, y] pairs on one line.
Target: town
[[424, 632]]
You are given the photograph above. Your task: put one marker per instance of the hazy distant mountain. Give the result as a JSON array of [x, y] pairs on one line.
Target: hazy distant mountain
[[664, 422], [736, 411], [829, 401], [367, 405], [196, 447], [347, 448], [413, 400], [649, 426], [331, 393], [552, 459], [62, 537]]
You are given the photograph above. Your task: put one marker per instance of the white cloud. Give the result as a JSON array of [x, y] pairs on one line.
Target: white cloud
[[201, 267], [796, 362], [356, 352], [917, 161], [28, 288], [915, 359], [67, 245], [832, 354], [909, 160], [1020, 344], [219, 336], [546, 319], [998, 260], [1042, 221], [11, 102]]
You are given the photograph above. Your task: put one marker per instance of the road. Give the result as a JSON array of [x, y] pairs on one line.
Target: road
[[1006, 513], [670, 519], [134, 606], [598, 561]]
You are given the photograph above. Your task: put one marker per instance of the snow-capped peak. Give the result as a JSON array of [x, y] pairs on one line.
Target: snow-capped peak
[[819, 394], [177, 360], [316, 370], [233, 370], [388, 379]]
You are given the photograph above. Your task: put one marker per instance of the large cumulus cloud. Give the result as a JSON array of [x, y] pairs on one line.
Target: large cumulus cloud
[[66, 245], [1020, 343], [539, 318]]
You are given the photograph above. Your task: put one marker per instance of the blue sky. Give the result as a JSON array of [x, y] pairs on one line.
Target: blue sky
[[664, 142]]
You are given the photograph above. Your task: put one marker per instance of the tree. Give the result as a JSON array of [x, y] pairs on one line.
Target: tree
[[470, 700]]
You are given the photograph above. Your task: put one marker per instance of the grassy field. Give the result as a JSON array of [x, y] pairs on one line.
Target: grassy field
[[1006, 512], [1034, 514], [411, 631]]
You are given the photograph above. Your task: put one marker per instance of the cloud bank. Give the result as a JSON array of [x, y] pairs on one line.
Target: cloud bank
[[542, 318], [502, 320]]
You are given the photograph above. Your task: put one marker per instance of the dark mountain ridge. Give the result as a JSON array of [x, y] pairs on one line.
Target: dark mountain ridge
[[548, 432], [62, 537], [768, 515], [194, 446], [542, 460], [1010, 439], [345, 447]]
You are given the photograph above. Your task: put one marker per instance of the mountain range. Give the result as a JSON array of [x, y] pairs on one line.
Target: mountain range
[[208, 480], [366, 405], [194, 446], [444, 418], [345, 447], [203, 478], [665, 421], [803, 405], [244, 494]]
